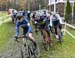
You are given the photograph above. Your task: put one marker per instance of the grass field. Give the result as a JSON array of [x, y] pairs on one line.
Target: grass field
[[5, 34], [66, 50], [71, 30]]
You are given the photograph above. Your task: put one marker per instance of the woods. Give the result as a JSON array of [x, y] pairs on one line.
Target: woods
[[25, 4]]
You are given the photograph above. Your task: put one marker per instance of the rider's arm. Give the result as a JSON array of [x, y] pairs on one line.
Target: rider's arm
[[51, 20], [28, 24], [59, 18], [17, 29]]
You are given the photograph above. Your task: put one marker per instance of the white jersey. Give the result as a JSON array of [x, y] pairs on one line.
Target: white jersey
[[58, 18]]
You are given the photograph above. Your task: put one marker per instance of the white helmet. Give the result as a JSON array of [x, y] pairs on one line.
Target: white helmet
[[28, 11]]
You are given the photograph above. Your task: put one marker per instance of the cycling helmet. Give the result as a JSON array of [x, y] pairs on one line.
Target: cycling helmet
[[19, 16], [28, 11]]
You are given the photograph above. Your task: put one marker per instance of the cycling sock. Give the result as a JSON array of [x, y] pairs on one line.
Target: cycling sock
[[57, 36]]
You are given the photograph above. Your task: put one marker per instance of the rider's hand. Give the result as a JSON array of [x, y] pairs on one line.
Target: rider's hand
[[16, 37]]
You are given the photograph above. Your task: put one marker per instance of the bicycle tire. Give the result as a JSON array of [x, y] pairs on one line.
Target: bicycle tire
[[36, 53]]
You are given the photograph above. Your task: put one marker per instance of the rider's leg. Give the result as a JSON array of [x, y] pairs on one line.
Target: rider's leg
[[42, 33], [25, 30], [51, 29], [56, 30], [36, 29], [60, 27], [32, 39], [30, 36], [49, 36], [56, 33]]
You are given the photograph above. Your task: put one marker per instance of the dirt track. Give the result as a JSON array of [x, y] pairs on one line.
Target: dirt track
[[12, 49]]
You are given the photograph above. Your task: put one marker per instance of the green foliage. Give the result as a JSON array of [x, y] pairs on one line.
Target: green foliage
[[5, 35], [68, 12]]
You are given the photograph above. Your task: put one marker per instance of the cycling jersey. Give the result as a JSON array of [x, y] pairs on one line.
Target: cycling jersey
[[40, 22], [55, 21], [27, 25]]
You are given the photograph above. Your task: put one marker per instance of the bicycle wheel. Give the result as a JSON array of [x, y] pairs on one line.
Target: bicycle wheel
[[37, 52], [24, 51], [21, 51], [30, 49], [34, 53]]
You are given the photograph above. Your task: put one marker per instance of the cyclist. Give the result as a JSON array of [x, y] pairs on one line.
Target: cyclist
[[49, 15], [25, 25], [47, 22], [13, 15], [34, 15], [55, 21], [41, 23], [36, 25], [35, 18], [48, 29]]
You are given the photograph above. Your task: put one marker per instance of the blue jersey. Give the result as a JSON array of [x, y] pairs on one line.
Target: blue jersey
[[18, 24]]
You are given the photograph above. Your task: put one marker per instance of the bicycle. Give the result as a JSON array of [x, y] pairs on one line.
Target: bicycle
[[27, 48]]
